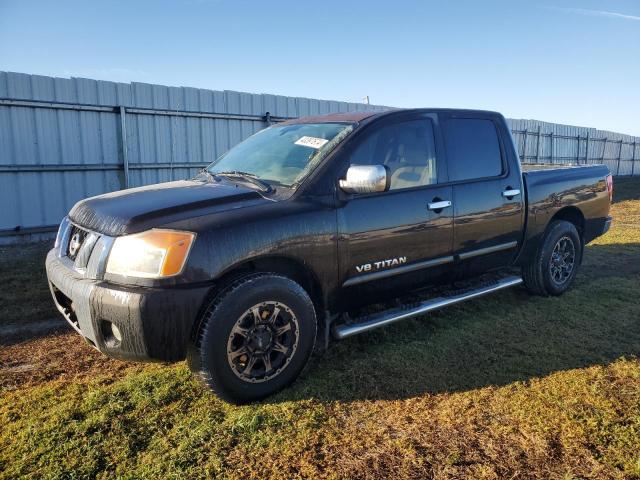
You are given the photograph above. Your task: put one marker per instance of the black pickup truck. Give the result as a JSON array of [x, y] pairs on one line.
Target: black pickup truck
[[283, 239]]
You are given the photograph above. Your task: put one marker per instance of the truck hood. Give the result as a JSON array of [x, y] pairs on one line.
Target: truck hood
[[139, 209]]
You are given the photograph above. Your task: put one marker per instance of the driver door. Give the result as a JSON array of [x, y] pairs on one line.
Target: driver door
[[402, 238]]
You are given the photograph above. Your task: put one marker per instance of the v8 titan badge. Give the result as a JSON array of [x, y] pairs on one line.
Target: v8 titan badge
[[379, 265]]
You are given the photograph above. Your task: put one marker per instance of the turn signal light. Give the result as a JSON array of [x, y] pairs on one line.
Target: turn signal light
[[610, 187]]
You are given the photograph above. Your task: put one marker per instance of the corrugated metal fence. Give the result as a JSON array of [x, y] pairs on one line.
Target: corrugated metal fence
[[552, 143], [62, 140]]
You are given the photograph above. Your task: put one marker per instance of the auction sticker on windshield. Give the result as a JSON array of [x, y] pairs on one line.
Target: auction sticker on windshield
[[313, 142]]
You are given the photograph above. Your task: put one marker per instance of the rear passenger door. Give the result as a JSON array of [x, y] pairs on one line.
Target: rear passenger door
[[487, 222], [393, 240]]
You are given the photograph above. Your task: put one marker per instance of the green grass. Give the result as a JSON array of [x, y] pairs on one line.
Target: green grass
[[24, 296], [505, 386]]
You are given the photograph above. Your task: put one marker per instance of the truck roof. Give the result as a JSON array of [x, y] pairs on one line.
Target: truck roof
[[359, 116], [333, 117]]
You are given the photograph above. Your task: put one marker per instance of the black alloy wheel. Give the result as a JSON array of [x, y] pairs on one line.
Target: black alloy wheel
[[263, 341], [562, 260], [254, 338]]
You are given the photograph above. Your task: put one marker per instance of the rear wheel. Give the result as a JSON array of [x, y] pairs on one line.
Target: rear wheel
[[553, 268], [255, 338]]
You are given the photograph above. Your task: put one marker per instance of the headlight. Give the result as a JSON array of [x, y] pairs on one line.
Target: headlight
[[152, 254], [64, 224]]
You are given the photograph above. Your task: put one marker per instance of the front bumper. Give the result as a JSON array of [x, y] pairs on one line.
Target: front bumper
[[155, 323]]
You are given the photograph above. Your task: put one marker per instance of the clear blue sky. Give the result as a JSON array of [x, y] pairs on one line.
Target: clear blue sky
[[575, 62]]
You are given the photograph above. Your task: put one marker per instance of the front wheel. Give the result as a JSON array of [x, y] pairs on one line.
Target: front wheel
[[553, 268], [254, 338]]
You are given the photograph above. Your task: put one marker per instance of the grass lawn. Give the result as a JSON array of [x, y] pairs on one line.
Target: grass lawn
[[25, 296], [505, 386]]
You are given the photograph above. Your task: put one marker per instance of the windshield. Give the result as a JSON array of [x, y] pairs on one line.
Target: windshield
[[282, 154]]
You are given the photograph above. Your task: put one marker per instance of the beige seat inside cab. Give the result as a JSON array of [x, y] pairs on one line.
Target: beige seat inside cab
[[410, 159]]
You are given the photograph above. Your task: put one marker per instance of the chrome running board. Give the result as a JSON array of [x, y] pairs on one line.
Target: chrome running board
[[391, 316]]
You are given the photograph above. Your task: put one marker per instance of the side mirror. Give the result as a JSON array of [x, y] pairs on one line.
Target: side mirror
[[365, 179]]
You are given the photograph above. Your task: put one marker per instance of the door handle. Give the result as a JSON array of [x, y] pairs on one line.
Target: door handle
[[439, 205], [511, 192]]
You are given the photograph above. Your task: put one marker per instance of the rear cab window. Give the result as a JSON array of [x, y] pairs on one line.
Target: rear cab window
[[473, 148]]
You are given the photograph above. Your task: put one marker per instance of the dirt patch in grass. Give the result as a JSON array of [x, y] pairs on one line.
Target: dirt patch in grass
[[62, 356]]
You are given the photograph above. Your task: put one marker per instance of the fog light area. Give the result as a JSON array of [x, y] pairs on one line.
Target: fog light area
[[116, 332], [111, 333]]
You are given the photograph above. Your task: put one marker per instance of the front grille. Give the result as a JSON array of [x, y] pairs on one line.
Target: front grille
[[82, 250], [77, 236]]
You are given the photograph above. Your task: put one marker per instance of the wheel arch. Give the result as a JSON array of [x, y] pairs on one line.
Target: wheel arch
[[534, 266], [572, 215], [283, 265]]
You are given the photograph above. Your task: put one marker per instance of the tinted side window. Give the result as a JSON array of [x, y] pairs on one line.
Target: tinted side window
[[473, 149], [407, 149]]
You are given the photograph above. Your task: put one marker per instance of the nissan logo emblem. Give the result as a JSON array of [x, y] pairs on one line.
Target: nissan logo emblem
[[74, 244]]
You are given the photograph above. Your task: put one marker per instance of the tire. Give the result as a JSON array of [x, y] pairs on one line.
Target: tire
[[254, 338], [554, 266]]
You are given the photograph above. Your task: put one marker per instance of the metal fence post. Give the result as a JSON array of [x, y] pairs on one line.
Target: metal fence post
[[123, 139], [633, 158], [553, 147], [619, 157], [538, 145], [524, 147], [586, 150], [578, 151]]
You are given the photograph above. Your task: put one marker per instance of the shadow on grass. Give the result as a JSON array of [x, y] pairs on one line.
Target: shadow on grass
[[502, 338], [626, 188], [15, 333], [25, 298]]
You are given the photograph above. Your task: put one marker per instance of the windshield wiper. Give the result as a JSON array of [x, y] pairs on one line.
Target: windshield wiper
[[249, 177], [206, 172]]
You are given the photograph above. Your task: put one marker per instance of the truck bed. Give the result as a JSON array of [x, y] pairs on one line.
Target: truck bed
[[552, 188], [530, 167]]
